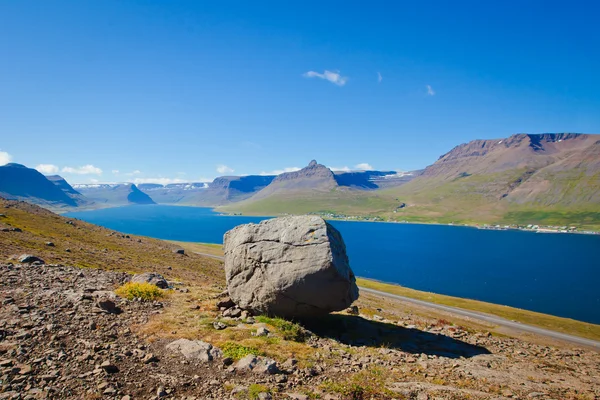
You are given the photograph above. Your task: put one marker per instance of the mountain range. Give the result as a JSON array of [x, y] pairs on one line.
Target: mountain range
[[552, 178]]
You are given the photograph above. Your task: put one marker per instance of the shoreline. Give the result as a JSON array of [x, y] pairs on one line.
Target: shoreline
[[485, 227], [511, 317]]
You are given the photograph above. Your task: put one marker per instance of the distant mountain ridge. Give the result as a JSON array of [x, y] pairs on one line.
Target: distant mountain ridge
[[17, 182], [119, 194], [546, 169]]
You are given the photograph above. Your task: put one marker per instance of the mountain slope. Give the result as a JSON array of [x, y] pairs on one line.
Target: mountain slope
[[18, 182], [120, 194], [314, 177], [63, 185], [507, 179], [315, 188]]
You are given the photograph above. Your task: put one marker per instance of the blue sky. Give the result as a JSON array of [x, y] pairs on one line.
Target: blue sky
[[189, 90]]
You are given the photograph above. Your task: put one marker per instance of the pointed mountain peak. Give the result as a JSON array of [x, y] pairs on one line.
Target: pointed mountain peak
[[312, 163]]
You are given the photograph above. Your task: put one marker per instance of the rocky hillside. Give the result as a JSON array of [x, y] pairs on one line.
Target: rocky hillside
[[548, 169], [22, 183], [314, 177], [113, 195], [64, 334]]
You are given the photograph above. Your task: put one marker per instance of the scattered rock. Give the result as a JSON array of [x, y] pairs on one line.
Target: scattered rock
[[30, 259], [225, 303], [107, 305], [218, 325], [152, 278], [109, 368], [179, 251], [50, 244], [262, 331], [195, 349], [292, 267]]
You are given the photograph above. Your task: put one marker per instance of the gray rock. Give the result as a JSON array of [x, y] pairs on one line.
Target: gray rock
[[152, 278], [225, 303], [246, 364], [262, 331], [218, 325], [258, 365], [50, 244], [29, 259], [179, 251], [266, 366], [290, 267], [195, 349], [107, 305]]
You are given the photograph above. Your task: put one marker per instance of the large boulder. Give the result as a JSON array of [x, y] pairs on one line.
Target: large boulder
[[290, 267]]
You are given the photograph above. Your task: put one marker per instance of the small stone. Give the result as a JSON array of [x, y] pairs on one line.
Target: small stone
[[161, 392], [264, 396], [25, 369], [107, 305], [109, 368], [262, 331], [29, 259], [126, 397], [179, 251], [218, 325], [50, 244], [149, 358], [352, 310], [225, 303]]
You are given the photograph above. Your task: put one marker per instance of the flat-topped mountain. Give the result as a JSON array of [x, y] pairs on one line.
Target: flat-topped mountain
[[118, 194], [17, 182], [547, 169], [314, 177]]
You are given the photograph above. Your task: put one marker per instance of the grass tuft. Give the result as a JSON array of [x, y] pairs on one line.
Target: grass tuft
[[289, 330], [237, 351], [144, 291], [255, 389]]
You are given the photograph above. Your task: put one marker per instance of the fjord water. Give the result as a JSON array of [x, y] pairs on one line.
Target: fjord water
[[557, 274]]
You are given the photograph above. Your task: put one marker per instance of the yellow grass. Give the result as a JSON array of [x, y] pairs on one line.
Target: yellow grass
[[559, 324]]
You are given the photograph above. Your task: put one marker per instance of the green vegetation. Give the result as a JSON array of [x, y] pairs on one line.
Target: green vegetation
[[289, 330], [564, 325], [136, 290], [255, 389], [362, 385], [205, 248], [237, 351], [590, 219]]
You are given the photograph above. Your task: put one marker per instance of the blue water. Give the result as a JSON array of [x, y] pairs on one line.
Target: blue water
[[557, 274]]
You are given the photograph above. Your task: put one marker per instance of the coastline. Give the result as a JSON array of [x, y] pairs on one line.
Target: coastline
[[513, 315], [541, 229]]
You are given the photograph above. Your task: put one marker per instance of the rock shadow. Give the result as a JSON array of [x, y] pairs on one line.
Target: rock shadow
[[358, 331]]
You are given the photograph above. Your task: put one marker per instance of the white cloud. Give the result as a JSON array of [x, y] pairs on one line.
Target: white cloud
[[340, 169], [281, 171], [430, 90], [5, 158], [364, 167], [224, 169], [88, 169], [132, 173], [379, 77], [47, 169], [115, 172], [331, 76]]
